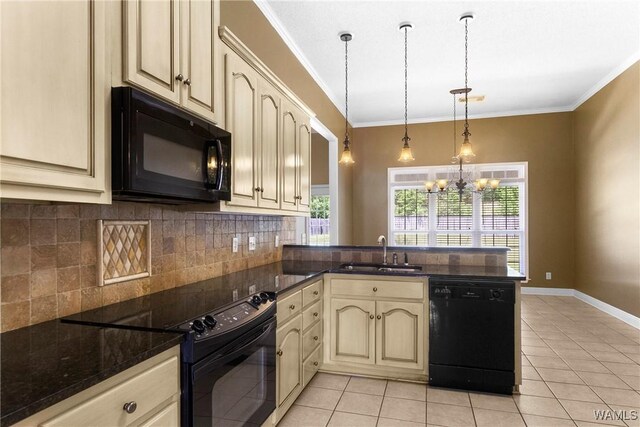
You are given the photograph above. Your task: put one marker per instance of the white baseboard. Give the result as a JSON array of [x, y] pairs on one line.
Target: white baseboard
[[562, 292], [627, 318]]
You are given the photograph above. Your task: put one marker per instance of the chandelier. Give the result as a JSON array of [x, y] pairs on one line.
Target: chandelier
[[465, 155], [405, 155]]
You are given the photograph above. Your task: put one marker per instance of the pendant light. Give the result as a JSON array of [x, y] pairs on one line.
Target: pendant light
[[405, 155], [466, 150], [346, 158]]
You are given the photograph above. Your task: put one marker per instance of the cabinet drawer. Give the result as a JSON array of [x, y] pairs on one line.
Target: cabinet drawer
[[312, 293], [148, 389], [311, 339], [311, 366], [289, 307], [378, 288], [311, 314]]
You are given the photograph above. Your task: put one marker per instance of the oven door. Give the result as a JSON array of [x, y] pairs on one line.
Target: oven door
[[236, 386]]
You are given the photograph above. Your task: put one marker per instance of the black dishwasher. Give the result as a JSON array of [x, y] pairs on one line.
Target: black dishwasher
[[471, 334]]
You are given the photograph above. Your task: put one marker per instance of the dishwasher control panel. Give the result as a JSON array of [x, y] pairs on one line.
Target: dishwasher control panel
[[466, 290]]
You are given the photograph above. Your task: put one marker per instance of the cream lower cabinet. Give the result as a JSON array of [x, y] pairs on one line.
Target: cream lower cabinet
[[376, 326], [170, 48], [154, 386], [298, 344], [54, 94]]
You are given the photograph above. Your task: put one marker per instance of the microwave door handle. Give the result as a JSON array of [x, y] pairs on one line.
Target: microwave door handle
[[220, 165]]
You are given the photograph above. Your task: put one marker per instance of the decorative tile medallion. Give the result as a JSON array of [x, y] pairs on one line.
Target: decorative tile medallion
[[125, 251]]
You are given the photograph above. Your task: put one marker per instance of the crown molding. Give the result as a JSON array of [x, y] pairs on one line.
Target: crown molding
[[471, 117], [607, 79], [268, 12]]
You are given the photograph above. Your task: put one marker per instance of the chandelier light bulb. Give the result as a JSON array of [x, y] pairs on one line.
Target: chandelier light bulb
[[494, 183], [442, 184], [429, 186]]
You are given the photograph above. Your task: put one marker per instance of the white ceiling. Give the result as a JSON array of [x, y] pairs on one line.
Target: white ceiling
[[524, 56]]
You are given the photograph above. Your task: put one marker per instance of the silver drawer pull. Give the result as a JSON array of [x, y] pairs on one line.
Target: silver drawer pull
[[379, 317], [371, 316], [315, 314], [292, 307], [130, 407], [315, 363], [279, 353], [315, 292], [315, 338], [375, 289]]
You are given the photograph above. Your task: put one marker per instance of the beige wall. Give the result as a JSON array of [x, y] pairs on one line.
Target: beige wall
[[320, 160], [607, 145], [544, 140], [246, 21]]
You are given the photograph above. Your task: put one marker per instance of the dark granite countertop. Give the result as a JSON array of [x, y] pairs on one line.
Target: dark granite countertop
[[166, 310], [46, 363]]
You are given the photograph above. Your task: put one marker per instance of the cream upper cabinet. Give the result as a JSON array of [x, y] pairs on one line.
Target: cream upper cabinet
[[304, 167], [270, 150], [289, 184], [400, 334], [54, 111], [172, 50], [241, 112], [152, 46], [353, 330], [289, 361]]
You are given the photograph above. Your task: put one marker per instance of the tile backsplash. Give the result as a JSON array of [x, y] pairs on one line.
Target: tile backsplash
[[49, 261]]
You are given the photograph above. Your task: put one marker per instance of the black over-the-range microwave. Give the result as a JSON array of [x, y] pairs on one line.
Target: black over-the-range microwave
[[163, 154]]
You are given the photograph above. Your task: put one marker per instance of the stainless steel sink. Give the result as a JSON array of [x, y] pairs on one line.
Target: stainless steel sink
[[386, 268]]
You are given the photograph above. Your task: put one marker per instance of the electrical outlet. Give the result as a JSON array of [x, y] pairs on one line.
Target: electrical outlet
[[235, 244], [252, 289], [252, 243], [277, 240], [548, 275]]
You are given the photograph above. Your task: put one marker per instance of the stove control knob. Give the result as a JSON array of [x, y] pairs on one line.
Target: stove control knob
[[264, 296], [198, 326], [496, 294], [210, 321], [256, 300]]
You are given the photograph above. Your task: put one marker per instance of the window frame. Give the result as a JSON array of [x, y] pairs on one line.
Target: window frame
[[318, 190], [476, 232]]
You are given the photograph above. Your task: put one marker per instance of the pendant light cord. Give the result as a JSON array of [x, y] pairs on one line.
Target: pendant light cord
[[346, 92], [466, 79], [406, 133]]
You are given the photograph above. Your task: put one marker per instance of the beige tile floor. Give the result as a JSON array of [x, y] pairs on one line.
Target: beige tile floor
[[576, 359]]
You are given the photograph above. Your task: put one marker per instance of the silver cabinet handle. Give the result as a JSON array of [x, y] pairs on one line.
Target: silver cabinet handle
[[257, 189], [379, 317], [130, 407], [187, 82], [315, 292], [375, 289], [315, 363], [315, 314], [315, 338], [279, 353], [292, 307], [371, 316], [179, 77]]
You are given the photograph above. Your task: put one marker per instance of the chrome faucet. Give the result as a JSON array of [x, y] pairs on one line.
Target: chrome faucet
[[383, 241]]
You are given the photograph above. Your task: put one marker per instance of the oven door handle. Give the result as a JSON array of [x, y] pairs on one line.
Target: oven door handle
[[220, 165], [233, 353]]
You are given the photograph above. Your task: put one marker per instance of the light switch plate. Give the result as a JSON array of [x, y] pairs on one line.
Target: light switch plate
[[548, 275], [277, 240], [252, 243], [235, 245]]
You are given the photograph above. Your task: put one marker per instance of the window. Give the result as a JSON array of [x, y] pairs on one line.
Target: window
[[319, 218], [417, 218]]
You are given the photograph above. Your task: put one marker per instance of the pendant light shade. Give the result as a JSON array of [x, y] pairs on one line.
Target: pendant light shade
[[346, 158], [406, 155], [466, 149]]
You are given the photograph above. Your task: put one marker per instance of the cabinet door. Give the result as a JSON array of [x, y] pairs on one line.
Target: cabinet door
[[289, 360], [400, 334], [241, 110], [152, 46], [199, 48], [167, 417], [54, 105], [304, 168], [269, 133], [289, 192], [353, 330]]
